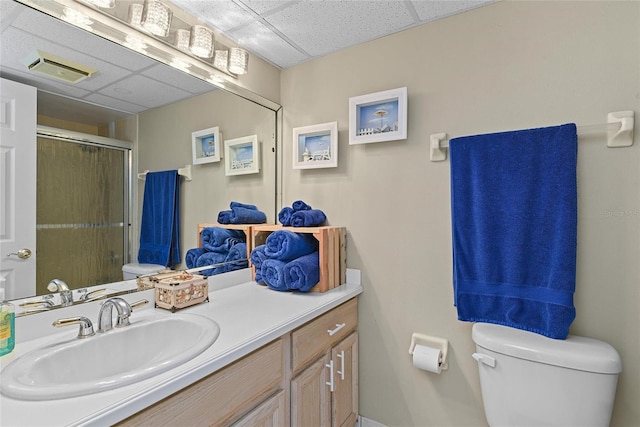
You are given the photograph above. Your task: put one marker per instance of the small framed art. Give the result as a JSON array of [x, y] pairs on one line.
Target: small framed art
[[205, 146], [315, 146], [242, 155], [378, 117]]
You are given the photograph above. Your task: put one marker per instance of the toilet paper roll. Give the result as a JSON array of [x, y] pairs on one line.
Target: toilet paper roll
[[427, 358]]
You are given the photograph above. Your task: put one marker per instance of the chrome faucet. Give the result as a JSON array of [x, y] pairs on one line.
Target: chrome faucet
[[105, 317], [66, 294]]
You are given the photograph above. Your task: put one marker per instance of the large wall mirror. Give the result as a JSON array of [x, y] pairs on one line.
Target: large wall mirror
[[130, 98]]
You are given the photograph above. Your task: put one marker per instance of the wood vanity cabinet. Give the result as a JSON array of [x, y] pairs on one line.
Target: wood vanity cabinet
[[307, 378]]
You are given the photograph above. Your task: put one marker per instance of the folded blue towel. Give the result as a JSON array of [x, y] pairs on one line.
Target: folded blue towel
[[243, 205], [284, 216], [299, 205], [160, 225], [240, 215], [218, 239], [273, 274], [191, 258], [302, 273], [286, 245], [308, 218], [257, 258], [237, 257], [211, 258], [514, 226], [224, 217]]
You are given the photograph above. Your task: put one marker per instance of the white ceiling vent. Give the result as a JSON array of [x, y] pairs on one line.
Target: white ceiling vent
[[58, 68]]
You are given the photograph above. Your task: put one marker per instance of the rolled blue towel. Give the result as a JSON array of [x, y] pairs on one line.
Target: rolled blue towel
[[240, 215], [224, 217], [192, 256], [308, 218], [218, 239], [273, 274], [210, 258], [286, 245], [257, 258], [302, 273], [243, 205], [284, 216], [299, 205], [237, 257]]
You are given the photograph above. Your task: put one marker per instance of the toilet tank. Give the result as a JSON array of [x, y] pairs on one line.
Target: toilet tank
[[530, 380], [134, 270]]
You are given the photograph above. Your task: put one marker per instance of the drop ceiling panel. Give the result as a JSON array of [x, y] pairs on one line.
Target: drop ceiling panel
[[171, 76], [430, 10], [141, 90], [42, 83], [116, 104], [222, 15]]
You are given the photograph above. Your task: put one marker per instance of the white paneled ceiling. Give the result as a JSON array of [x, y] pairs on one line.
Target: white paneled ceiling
[[284, 33]]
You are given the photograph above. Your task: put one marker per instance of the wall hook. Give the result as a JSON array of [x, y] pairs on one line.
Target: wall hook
[[624, 136]]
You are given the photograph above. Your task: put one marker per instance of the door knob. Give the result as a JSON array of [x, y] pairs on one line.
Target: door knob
[[22, 253]]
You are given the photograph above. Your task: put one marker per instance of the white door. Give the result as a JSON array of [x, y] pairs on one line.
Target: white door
[[17, 189]]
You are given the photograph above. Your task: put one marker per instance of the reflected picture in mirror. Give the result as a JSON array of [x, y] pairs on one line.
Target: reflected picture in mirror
[[130, 98]]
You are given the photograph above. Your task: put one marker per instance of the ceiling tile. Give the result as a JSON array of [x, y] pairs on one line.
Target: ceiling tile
[[265, 43], [430, 10], [171, 76], [116, 104], [144, 91], [43, 83], [262, 7], [222, 15], [321, 27]]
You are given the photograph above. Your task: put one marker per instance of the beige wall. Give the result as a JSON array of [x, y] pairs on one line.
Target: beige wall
[[510, 65], [164, 142]]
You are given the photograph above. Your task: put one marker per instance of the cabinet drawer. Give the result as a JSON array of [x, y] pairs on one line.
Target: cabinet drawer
[[311, 340]]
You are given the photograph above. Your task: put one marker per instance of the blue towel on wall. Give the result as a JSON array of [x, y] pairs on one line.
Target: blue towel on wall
[[302, 273], [308, 218], [160, 225], [514, 227], [273, 274], [218, 239], [286, 245], [257, 258], [191, 258]]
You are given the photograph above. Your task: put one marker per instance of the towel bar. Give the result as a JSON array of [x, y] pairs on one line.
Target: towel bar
[[185, 171], [619, 130]]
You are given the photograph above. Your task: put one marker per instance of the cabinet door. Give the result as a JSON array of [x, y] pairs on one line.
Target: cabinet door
[[345, 396], [311, 396], [270, 413]]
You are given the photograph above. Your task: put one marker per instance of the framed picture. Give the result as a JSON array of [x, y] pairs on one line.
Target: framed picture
[[242, 155], [205, 146], [315, 146], [378, 117]]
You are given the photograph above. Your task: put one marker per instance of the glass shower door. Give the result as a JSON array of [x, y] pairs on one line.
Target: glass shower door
[[82, 222]]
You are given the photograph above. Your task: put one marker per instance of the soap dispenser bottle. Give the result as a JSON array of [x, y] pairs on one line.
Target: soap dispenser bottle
[[7, 325]]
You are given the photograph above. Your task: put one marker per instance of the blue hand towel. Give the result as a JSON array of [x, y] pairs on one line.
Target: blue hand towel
[[273, 274], [211, 258], [224, 217], [240, 215], [242, 205], [160, 226], [284, 216], [514, 227], [302, 273], [237, 257], [286, 245], [299, 205], [257, 258], [308, 218], [218, 239], [191, 258]]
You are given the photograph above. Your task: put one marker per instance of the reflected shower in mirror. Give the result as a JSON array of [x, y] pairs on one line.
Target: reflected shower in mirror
[[132, 98]]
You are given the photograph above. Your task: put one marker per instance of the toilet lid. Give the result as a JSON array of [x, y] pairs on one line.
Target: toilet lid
[[585, 354], [142, 269]]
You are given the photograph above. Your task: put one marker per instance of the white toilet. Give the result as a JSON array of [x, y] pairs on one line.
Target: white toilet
[[134, 270], [531, 380]]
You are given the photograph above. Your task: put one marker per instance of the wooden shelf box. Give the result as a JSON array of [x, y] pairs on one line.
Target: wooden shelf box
[[245, 228], [332, 247]]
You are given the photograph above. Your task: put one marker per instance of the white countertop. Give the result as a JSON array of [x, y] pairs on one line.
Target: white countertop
[[249, 317]]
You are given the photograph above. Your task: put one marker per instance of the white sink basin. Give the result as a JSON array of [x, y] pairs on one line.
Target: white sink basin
[[109, 360]]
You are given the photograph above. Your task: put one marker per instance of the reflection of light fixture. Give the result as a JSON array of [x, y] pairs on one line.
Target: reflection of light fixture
[[221, 59], [201, 41], [238, 60], [181, 40], [102, 3], [135, 15], [132, 42], [156, 18], [180, 64], [78, 19]]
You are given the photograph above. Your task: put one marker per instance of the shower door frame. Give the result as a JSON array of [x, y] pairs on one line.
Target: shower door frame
[[104, 142]]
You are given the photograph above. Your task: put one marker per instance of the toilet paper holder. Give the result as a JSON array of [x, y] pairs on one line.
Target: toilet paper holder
[[435, 342]]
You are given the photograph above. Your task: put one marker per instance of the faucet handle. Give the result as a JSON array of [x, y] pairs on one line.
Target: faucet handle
[[86, 327], [139, 303]]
